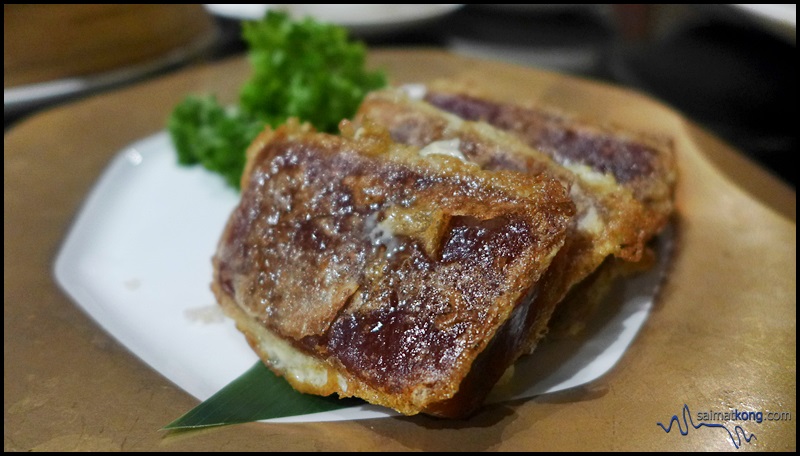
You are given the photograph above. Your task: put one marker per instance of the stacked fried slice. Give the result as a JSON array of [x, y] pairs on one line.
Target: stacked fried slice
[[359, 266], [621, 184], [412, 259]]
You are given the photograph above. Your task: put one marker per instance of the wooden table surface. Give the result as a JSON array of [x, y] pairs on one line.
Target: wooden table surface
[[721, 337]]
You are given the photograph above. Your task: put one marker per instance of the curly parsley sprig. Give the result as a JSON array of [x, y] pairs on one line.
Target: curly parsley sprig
[[304, 69]]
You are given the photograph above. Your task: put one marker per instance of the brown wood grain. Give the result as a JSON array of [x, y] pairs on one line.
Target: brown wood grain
[[722, 334], [50, 42]]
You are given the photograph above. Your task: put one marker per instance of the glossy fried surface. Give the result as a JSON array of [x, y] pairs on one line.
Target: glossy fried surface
[[639, 162], [610, 220], [607, 213], [393, 271]]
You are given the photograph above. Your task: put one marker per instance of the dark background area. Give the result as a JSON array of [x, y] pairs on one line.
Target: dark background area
[[721, 67]]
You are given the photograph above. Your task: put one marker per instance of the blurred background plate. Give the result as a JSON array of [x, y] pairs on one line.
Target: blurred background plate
[[360, 20], [776, 18]]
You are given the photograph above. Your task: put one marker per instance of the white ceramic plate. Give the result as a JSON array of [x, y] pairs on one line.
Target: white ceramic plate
[[784, 14], [780, 19], [138, 261], [362, 20]]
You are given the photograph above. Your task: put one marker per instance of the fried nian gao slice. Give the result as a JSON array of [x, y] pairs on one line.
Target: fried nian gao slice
[[612, 159], [370, 269], [611, 220], [641, 163]]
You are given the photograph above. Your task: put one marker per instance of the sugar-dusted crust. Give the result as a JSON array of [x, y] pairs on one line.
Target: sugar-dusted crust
[[357, 266]]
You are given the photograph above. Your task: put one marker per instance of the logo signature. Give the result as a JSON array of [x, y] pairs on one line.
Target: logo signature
[[737, 435]]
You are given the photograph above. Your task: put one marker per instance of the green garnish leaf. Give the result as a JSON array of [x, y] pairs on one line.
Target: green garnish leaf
[[216, 137], [256, 395], [302, 69], [305, 69]]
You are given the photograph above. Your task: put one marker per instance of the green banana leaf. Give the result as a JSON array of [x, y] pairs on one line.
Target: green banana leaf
[[256, 395]]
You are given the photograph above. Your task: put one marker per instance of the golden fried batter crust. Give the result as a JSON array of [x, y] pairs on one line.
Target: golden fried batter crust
[[610, 219], [642, 163], [354, 265]]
